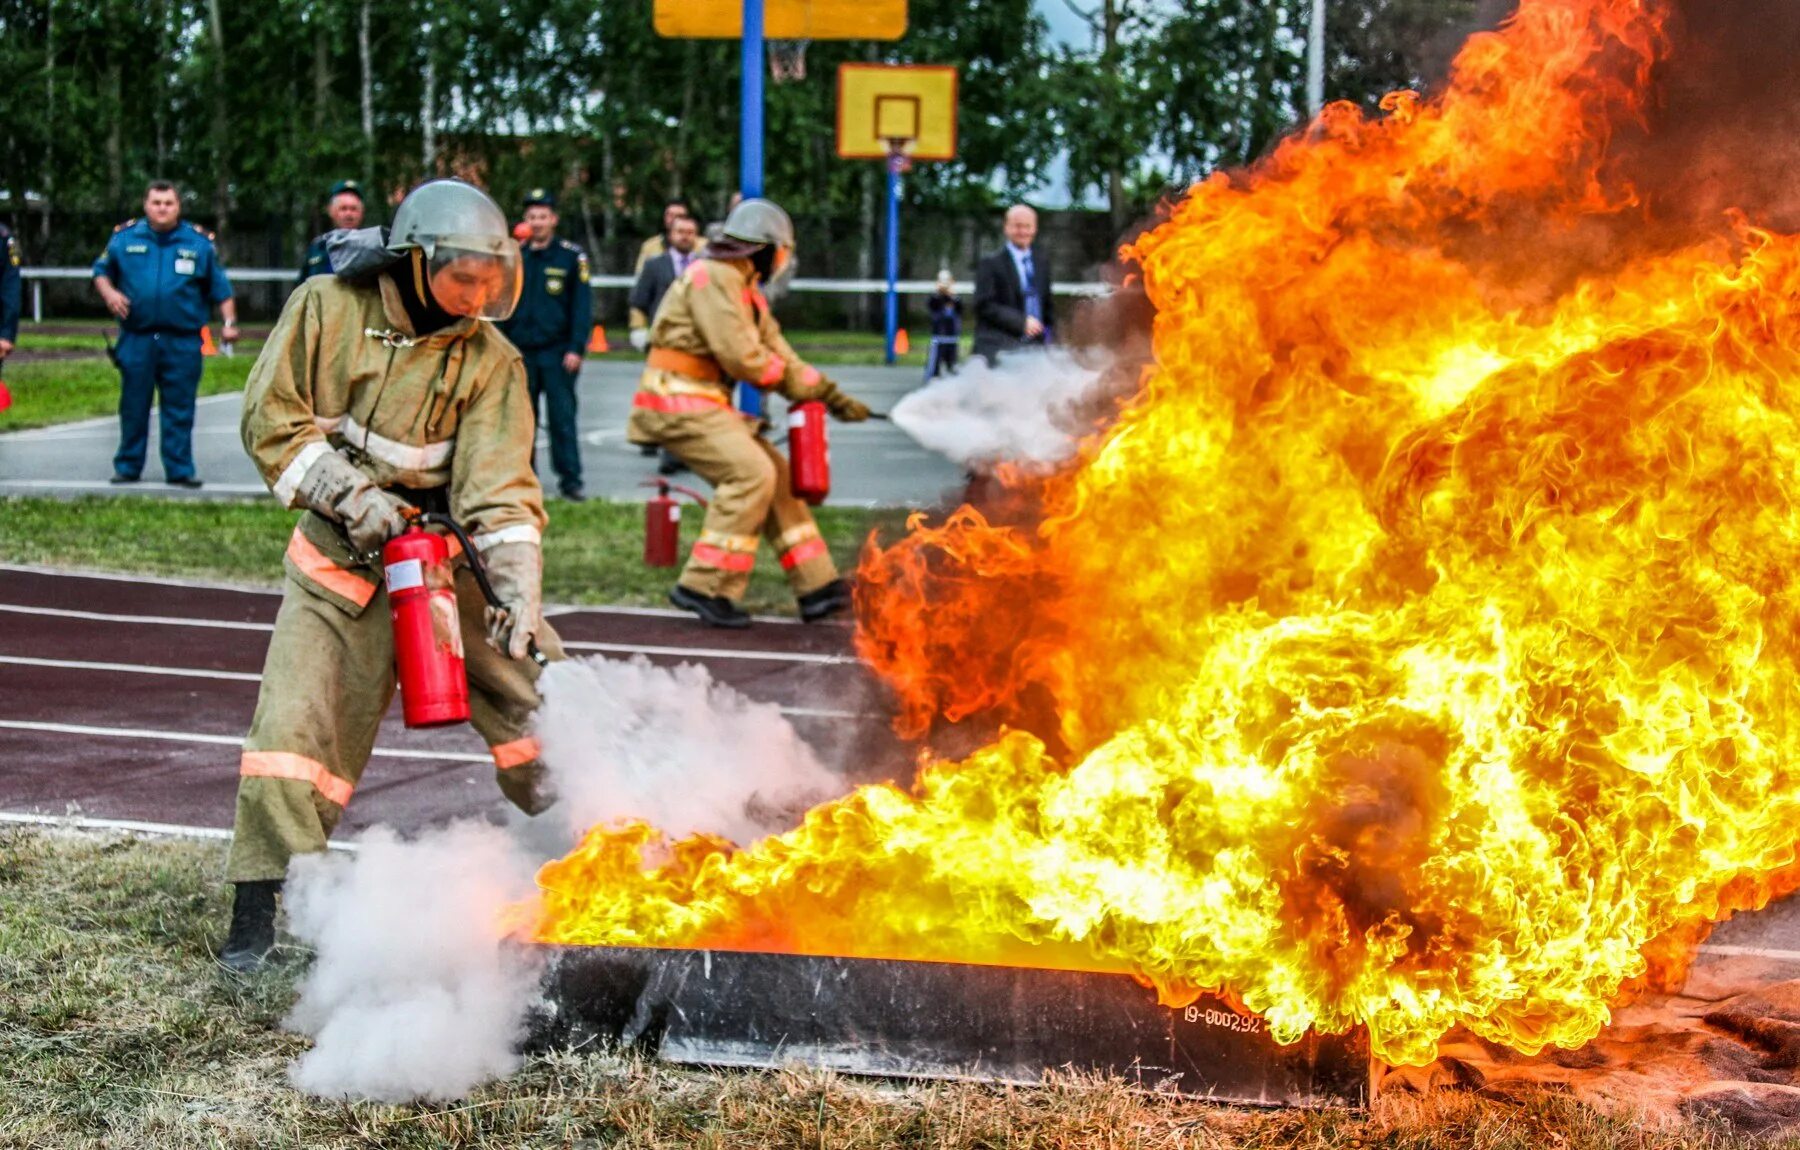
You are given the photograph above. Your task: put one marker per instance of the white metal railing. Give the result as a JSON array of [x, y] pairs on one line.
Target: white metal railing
[[37, 276]]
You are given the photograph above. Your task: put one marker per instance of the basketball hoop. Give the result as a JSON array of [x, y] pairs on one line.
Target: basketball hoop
[[787, 60]]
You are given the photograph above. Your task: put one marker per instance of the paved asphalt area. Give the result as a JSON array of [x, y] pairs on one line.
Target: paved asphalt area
[[127, 698], [873, 463]]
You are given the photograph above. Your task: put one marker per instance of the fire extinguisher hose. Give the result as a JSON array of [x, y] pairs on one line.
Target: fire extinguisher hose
[[479, 570]]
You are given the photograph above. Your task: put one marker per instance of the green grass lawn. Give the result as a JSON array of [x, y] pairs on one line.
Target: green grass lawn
[[593, 552], [64, 390], [116, 1030]]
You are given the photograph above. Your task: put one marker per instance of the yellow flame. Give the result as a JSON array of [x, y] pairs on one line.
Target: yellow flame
[[1416, 649]]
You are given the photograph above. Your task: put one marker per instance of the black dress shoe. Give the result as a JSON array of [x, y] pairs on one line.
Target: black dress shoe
[[670, 465], [252, 936], [714, 610], [647, 449], [119, 478], [573, 494], [191, 482], [827, 600]]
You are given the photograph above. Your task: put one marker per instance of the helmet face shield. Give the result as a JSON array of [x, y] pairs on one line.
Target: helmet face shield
[[479, 280]]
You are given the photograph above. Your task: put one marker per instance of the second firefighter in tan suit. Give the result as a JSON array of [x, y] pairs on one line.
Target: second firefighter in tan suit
[[380, 391], [714, 327]]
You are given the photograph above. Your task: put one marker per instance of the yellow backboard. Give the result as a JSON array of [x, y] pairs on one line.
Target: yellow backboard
[[784, 19], [882, 102]]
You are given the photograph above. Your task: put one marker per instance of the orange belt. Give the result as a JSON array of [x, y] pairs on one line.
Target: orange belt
[[682, 363]]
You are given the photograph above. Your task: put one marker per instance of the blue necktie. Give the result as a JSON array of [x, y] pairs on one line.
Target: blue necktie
[[1033, 307]]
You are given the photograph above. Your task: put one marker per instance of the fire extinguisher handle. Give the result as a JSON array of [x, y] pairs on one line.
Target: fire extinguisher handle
[[479, 570]]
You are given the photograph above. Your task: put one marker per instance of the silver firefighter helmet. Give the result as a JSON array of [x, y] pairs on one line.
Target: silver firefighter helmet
[[468, 253]]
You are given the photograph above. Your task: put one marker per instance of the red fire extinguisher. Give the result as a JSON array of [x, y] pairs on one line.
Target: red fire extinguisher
[[809, 452], [662, 523], [428, 650]]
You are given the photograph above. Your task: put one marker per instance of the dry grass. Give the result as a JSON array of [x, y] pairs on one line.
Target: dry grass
[[117, 1031]]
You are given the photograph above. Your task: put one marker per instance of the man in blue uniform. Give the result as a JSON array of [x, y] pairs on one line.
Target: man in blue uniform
[[344, 207], [11, 293], [550, 330], [160, 276]]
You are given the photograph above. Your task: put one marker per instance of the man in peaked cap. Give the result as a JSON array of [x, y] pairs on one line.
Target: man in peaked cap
[[550, 330], [344, 206]]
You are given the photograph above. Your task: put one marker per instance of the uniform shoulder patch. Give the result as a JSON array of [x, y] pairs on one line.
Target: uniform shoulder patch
[[698, 274], [130, 223]]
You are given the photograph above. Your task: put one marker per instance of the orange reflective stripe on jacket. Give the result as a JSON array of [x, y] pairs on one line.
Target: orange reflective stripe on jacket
[[516, 753], [677, 404], [296, 768], [685, 363], [318, 567]]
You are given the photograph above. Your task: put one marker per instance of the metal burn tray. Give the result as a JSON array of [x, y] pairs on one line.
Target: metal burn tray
[[932, 1020]]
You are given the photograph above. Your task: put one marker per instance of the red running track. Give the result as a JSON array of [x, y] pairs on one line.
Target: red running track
[[125, 697]]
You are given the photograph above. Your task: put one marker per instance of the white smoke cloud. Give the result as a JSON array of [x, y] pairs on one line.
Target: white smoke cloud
[[413, 993], [670, 746], [1028, 410]]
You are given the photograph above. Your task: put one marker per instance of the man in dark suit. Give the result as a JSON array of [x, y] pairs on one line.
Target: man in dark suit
[[658, 274], [1013, 306]]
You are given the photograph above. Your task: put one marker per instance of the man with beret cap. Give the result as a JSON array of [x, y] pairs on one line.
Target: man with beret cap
[[550, 330]]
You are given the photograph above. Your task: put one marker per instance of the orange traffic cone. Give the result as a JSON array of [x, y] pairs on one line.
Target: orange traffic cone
[[902, 344], [207, 347], [597, 343]]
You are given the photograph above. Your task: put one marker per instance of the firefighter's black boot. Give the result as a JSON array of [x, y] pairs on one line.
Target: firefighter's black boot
[[827, 600], [252, 934], [714, 610]]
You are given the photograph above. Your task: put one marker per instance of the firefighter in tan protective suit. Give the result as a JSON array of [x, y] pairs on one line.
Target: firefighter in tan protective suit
[[714, 326], [380, 389]]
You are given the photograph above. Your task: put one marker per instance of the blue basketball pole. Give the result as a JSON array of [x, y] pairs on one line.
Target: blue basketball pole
[[750, 144], [896, 161]]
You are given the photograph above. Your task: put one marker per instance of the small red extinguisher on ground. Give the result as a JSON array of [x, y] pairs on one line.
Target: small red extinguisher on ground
[[662, 523], [809, 452], [428, 651]]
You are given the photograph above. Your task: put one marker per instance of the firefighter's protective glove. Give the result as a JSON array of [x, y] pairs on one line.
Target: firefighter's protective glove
[[516, 571], [839, 403], [845, 407], [336, 489]]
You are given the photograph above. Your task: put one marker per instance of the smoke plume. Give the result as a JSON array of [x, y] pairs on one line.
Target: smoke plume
[[1031, 410], [416, 991]]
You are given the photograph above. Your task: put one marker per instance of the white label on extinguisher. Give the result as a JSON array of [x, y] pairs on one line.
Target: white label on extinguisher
[[674, 513], [405, 575], [796, 419]]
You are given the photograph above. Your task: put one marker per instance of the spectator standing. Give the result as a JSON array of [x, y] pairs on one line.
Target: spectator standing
[[11, 291], [160, 276], [946, 328], [658, 274], [657, 244], [1013, 305], [550, 330], [344, 207]]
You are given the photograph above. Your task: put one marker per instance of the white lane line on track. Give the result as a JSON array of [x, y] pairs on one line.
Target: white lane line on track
[[214, 740], [151, 620], [132, 669], [149, 580], [553, 610], [250, 677], [145, 487], [137, 827], [610, 648], [1750, 952]]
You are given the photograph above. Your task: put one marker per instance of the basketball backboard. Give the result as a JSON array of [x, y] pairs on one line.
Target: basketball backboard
[[880, 103], [784, 19]]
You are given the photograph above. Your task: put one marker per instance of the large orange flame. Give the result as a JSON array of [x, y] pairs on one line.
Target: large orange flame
[[1418, 646]]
